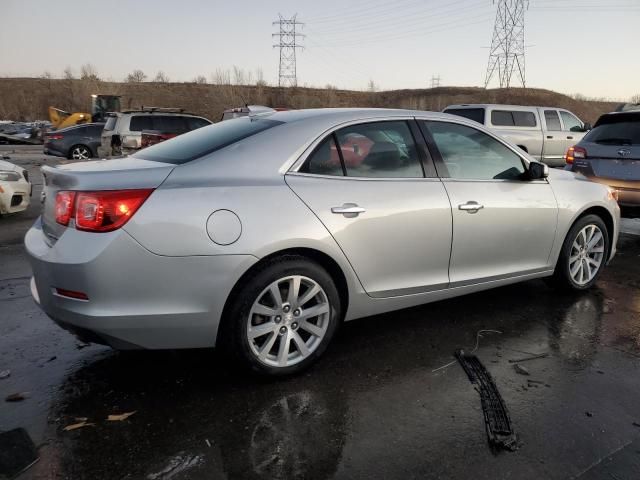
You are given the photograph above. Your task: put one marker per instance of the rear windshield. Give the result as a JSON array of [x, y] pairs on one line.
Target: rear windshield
[[475, 114], [111, 123], [203, 141], [622, 129]]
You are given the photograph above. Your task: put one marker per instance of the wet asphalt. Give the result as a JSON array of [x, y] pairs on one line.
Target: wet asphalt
[[372, 408]]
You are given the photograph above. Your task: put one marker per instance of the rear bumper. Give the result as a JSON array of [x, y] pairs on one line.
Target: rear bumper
[[136, 299], [14, 196]]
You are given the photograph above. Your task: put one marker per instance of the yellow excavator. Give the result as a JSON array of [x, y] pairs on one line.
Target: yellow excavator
[[100, 106]]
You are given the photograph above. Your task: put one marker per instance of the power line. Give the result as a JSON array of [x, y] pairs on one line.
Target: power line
[[507, 44], [287, 42]]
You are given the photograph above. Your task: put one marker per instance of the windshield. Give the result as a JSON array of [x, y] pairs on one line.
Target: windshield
[[203, 141]]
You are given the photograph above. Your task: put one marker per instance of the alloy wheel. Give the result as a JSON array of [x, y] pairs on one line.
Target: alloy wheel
[[80, 153], [587, 254], [288, 321]]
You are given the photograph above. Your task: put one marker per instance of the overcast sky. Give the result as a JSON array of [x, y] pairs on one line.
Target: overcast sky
[[587, 46]]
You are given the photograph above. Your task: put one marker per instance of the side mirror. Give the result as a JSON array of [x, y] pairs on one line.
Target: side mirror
[[538, 171]]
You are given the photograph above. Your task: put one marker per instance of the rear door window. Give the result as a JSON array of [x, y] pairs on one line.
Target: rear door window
[[325, 160], [140, 122], [513, 118], [193, 123], [553, 120], [169, 123], [475, 114], [201, 142], [379, 149]]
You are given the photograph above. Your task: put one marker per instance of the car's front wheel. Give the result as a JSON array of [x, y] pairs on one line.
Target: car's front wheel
[[583, 255], [283, 318]]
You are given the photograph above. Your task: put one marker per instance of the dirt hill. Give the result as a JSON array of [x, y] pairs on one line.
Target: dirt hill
[[27, 99]]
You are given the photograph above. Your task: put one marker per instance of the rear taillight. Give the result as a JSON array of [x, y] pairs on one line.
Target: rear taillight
[[101, 211], [64, 207], [573, 153], [53, 137]]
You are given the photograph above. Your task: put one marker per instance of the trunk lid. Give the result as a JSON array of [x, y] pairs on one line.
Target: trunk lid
[[116, 174], [618, 162]]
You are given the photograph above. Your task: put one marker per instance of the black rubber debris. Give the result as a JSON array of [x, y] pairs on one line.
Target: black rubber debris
[[496, 416], [17, 453]]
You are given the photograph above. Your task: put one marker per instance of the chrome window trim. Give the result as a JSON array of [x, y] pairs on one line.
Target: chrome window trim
[[375, 179]]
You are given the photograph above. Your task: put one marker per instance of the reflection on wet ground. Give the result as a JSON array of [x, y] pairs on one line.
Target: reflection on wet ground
[[373, 408]]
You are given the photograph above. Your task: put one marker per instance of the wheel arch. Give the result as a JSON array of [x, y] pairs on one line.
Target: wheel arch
[[323, 259], [606, 217]]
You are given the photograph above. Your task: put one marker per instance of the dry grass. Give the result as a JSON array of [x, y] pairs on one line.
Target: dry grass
[[28, 98]]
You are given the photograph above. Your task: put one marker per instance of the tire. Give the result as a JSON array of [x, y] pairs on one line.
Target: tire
[[80, 152], [576, 269], [256, 331]]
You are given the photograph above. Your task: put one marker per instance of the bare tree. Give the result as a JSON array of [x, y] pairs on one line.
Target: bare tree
[[372, 87], [47, 75], [260, 81], [137, 76], [200, 79], [89, 72], [221, 77], [635, 98], [238, 76], [161, 77], [68, 73]]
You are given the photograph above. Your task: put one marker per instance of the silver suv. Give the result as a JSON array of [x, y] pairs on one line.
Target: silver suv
[[122, 134]]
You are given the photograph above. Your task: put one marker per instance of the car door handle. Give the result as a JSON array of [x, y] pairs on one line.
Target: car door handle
[[569, 138], [549, 137], [471, 207], [349, 210]]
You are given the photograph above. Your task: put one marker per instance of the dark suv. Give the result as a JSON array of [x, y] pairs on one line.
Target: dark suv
[[79, 142]]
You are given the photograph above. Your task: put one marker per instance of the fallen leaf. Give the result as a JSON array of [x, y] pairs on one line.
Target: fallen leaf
[[16, 397], [75, 426], [120, 417], [5, 374]]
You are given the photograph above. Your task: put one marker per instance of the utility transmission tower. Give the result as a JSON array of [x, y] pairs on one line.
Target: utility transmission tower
[[435, 81], [507, 45], [287, 42]]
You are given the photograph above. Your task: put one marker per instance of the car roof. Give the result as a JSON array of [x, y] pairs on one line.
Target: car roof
[[498, 105], [338, 115]]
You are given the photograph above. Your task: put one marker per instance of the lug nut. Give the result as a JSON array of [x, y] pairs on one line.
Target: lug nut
[[294, 325], [286, 309], [296, 312], [278, 319], [283, 330]]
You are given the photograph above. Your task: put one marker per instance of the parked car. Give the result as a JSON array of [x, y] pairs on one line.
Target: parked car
[[247, 235], [544, 133], [79, 142], [122, 134], [231, 113], [15, 188], [610, 154]]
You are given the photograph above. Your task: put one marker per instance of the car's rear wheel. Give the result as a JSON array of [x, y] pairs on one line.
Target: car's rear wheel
[[80, 152], [282, 319], [583, 255]]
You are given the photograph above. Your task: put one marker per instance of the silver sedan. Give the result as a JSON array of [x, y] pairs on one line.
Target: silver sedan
[[262, 234]]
